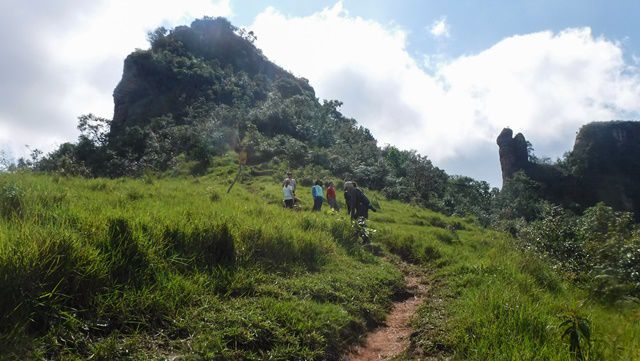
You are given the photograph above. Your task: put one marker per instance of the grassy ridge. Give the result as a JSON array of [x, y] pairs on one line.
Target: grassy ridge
[[499, 303], [154, 268], [138, 269]]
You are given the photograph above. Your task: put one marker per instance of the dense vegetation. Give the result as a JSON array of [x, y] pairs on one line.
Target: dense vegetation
[[599, 249]]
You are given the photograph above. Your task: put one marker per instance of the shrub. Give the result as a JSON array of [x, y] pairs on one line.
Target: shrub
[[11, 200], [600, 248], [577, 329]]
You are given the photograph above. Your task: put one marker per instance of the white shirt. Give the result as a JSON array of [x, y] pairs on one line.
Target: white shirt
[[287, 191]]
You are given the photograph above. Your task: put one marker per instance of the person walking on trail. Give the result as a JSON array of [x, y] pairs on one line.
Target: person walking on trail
[[331, 196], [358, 205], [318, 196], [287, 191], [292, 182]]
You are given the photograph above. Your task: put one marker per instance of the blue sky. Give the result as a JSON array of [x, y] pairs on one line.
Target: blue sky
[[441, 77], [477, 24]]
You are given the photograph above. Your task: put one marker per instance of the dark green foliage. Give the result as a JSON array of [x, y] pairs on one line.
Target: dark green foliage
[[413, 178], [577, 330], [467, 196], [126, 259], [601, 248], [518, 199]]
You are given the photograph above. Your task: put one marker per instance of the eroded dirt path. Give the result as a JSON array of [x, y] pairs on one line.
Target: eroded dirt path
[[392, 339]]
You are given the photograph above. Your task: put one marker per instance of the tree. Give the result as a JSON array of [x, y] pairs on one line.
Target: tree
[[155, 37], [95, 129]]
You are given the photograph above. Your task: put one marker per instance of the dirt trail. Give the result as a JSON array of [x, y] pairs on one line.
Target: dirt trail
[[390, 340]]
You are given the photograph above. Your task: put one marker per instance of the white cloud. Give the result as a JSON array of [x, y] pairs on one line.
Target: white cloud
[[65, 60], [542, 84], [440, 28]]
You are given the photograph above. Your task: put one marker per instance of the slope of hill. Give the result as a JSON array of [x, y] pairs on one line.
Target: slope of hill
[[157, 268], [169, 266], [204, 89]]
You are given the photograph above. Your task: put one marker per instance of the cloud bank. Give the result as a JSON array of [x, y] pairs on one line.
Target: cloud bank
[[543, 84]]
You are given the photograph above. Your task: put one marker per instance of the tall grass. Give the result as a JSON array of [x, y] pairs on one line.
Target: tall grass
[[492, 301], [159, 267], [87, 266]]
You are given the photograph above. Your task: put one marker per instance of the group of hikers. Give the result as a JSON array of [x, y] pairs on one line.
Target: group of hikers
[[357, 203]]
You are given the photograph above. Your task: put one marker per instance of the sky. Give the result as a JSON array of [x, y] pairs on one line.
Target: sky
[[440, 77]]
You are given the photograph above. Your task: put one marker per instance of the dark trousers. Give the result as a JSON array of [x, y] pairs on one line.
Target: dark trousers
[[332, 203], [317, 203], [288, 203]]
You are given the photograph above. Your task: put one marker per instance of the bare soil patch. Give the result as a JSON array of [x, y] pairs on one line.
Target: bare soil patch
[[392, 339]]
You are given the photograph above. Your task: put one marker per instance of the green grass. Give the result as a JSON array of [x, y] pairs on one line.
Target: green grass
[[491, 301], [138, 269], [153, 268]]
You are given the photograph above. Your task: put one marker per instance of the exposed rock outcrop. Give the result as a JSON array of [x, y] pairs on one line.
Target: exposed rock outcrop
[[210, 61], [604, 166], [513, 153]]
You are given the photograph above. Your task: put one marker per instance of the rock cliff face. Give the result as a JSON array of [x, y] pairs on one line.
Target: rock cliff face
[[210, 61], [513, 153], [604, 166]]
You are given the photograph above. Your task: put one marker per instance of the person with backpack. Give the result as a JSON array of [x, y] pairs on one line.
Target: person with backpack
[[318, 196], [358, 205]]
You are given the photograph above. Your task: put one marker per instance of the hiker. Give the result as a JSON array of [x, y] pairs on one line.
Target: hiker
[[358, 207], [358, 204], [292, 182], [318, 196], [331, 196], [287, 191]]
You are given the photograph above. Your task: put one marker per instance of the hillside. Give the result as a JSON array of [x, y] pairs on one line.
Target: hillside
[[128, 244], [204, 89], [153, 268]]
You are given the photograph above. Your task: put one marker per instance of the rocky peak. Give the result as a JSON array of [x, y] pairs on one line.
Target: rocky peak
[[513, 153]]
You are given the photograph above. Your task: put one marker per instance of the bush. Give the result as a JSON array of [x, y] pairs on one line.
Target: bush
[[11, 200], [214, 195], [600, 248]]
